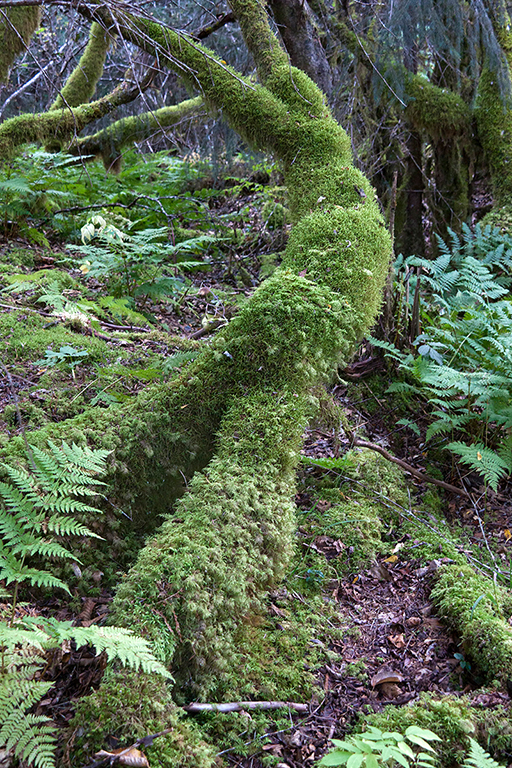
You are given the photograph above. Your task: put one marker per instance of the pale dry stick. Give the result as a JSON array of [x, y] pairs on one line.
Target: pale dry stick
[[237, 706]]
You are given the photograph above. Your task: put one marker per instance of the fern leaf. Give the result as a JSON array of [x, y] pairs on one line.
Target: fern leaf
[[478, 757], [483, 460]]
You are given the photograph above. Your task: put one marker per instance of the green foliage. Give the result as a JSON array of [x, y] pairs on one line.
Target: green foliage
[[479, 758], [43, 189], [374, 747], [141, 264], [461, 362], [38, 507], [65, 355]]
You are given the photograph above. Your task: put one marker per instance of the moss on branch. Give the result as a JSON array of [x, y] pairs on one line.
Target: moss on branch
[[109, 142], [81, 84], [17, 25]]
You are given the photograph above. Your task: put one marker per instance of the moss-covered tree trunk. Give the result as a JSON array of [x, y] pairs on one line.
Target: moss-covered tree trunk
[[230, 537]]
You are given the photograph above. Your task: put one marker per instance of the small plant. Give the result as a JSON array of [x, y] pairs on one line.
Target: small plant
[[36, 515], [139, 264], [374, 748], [478, 757], [66, 355]]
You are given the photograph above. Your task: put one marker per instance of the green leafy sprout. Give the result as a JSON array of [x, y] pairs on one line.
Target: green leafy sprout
[[375, 748]]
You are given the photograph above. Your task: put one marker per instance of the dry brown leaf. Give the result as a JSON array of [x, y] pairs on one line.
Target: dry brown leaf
[[397, 640], [413, 621], [390, 690], [433, 623], [380, 572], [128, 756]]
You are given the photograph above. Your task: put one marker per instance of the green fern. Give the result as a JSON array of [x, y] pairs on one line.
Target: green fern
[[482, 460], [478, 757], [37, 507], [461, 363]]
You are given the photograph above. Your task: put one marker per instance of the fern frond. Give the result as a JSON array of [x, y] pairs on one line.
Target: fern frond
[[117, 642], [30, 737], [478, 757], [483, 460]]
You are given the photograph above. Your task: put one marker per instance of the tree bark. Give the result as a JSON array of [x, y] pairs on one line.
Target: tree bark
[[300, 37]]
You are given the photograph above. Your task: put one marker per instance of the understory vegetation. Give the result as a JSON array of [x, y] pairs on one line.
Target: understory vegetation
[[110, 307], [255, 384]]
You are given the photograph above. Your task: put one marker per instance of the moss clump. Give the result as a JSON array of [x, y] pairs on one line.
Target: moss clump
[[275, 215], [450, 718], [473, 607], [130, 705], [501, 217], [21, 257], [17, 26], [23, 336], [442, 113]]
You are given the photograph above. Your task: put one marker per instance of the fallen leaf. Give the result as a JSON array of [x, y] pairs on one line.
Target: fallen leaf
[[507, 534], [391, 559], [128, 756], [413, 621], [433, 623], [390, 690], [397, 640], [380, 572]]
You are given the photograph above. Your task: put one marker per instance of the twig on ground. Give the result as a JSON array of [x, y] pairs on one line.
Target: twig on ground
[[407, 467], [237, 706]]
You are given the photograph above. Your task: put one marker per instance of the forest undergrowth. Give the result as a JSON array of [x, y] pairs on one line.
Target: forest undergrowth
[[396, 609]]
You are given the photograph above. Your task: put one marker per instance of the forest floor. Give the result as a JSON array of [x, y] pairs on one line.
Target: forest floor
[[398, 647]]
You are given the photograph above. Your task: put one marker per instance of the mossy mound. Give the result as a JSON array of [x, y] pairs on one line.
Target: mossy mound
[[131, 705], [474, 607], [453, 719]]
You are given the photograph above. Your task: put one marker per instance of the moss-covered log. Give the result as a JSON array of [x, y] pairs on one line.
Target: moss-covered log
[[231, 535]]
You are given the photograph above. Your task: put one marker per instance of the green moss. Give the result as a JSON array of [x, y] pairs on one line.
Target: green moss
[[442, 113], [238, 511], [472, 605], [17, 26], [494, 121], [450, 718], [131, 705], [453, 719], [501, 217], [109, 142], [13, 257], [23, 336], [275, 215], [81, 84]]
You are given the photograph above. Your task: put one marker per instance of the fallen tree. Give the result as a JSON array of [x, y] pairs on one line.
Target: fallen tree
[[246, 398]]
